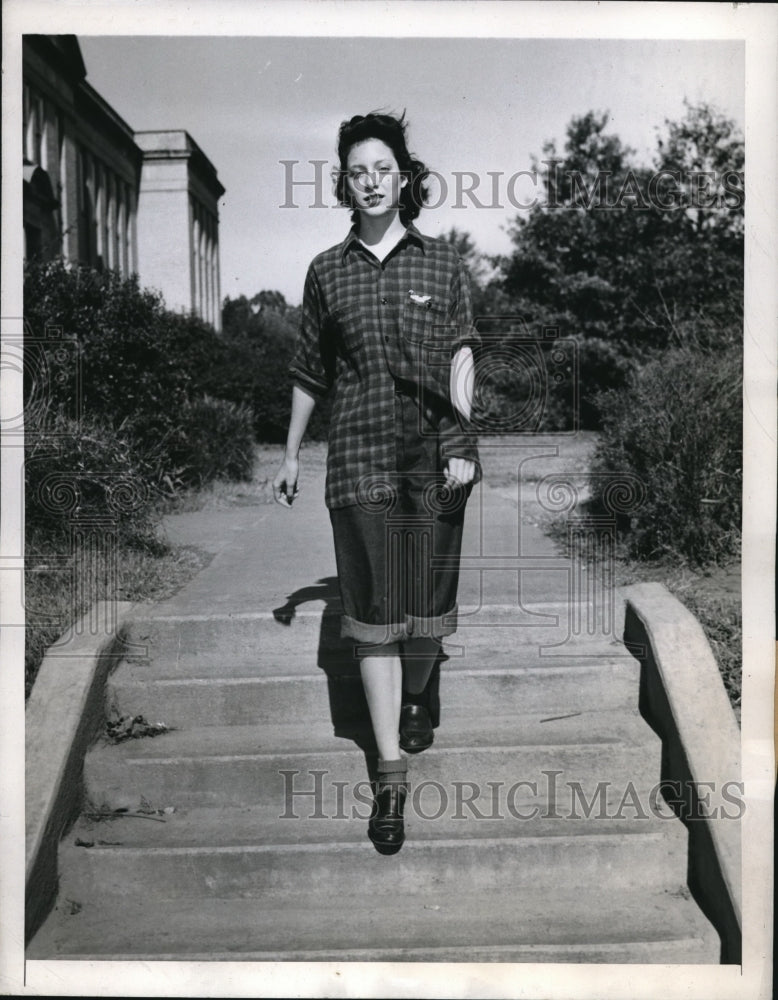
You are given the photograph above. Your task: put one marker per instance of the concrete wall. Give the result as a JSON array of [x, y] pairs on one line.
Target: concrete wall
[[178, 223], [164, 240]]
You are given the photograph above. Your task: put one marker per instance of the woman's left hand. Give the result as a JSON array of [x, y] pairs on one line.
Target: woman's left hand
[[459, 472]]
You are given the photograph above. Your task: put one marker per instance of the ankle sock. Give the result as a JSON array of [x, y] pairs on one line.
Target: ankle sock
[[392, 772], [408, 698]]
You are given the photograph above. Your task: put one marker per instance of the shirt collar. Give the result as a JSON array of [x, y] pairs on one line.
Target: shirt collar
[[411, 233]]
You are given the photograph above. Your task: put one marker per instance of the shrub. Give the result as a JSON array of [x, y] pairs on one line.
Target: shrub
[[552, 373], [677, 428], [84, 471], [603, 366], [127, 365], [271, 388], [115, 412], [140, 370], [89, 513], [214, 440], [254, 370], [272, 392]]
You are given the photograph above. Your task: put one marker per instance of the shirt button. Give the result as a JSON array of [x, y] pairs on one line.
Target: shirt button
[[383, 301]]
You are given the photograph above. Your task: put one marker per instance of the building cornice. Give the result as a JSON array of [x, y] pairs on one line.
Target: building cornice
[[97, 110], [62, 52], [177, 144]]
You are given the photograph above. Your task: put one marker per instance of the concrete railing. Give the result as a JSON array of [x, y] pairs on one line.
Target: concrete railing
[[64, 714], [683, 697]]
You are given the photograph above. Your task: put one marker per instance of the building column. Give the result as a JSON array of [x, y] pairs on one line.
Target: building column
[[211, 310]]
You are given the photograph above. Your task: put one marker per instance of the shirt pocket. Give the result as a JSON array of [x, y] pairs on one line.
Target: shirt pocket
[[425, 322], [426, 346]]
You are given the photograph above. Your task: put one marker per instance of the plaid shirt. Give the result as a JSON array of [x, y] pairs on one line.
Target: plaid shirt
[[369, 327]]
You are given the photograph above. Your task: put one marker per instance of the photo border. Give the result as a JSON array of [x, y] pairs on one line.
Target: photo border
[[757, 26]]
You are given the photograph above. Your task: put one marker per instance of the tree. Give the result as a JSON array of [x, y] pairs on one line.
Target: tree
[[487, 296], [628, 259], [706, 156], [266, 314], [269, 300], [259, 334], [698, 259]]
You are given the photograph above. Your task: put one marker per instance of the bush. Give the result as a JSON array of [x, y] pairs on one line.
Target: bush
[[603, 366], [83, 471], [115, 414], [551, 373], [677, 428], [125, 352], [89, 514], [253, 368], [215, 440], [271, 387], [133, 367]]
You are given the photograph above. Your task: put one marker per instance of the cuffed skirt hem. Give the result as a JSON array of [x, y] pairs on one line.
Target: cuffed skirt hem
[[413, 627]]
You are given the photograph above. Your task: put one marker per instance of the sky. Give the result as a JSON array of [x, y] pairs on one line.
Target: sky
[[479, 105]]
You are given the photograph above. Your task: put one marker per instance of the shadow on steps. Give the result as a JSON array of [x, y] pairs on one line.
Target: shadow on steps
[[337, 657]]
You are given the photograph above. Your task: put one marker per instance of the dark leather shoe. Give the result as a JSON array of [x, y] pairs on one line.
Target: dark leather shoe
[[386, 827], [416, 733]]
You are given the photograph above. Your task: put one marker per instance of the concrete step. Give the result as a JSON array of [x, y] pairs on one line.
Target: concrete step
[[446, 923], [519, 728], [551, 688], [653, 859], [160, 778], [236, 826], [264, 644]]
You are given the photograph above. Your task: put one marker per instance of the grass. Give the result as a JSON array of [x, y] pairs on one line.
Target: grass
[[52, 606], [223, 493], [501, 456]]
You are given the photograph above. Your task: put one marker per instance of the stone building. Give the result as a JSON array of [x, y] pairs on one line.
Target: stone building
[[99, 193]]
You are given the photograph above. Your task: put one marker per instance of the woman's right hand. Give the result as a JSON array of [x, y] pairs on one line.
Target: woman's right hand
[[285, 489]]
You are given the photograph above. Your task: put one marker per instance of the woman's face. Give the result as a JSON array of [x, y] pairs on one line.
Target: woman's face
[[373, 177]]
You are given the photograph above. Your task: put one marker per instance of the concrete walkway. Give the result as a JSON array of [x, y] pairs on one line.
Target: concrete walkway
[[259, 848], [265, 553]]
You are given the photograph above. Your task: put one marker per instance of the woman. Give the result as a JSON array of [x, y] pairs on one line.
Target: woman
[[387, 321]]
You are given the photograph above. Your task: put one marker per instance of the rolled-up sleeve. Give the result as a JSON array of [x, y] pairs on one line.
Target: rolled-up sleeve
[[313, 364]]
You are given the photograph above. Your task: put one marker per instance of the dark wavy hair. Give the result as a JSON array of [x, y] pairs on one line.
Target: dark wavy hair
[[390, 130]]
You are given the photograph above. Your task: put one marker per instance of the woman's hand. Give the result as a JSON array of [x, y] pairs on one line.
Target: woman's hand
[[459, 472], [285, 489]]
